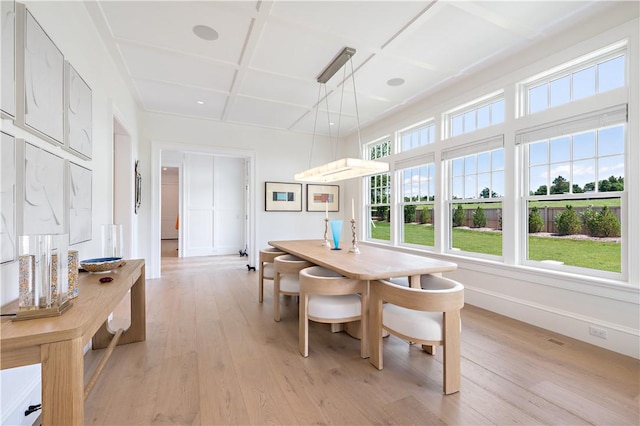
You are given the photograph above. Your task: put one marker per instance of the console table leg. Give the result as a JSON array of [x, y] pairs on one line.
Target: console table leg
[[63, 383]]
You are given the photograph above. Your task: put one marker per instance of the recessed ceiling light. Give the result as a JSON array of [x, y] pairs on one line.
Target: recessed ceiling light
[[164, 169], [396, 82], [205, 32], [200, 102]]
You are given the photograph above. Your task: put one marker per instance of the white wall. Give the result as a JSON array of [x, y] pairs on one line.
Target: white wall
[[70, 27]]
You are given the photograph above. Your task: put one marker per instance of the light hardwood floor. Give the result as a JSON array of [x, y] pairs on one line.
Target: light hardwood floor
[[214, 355]]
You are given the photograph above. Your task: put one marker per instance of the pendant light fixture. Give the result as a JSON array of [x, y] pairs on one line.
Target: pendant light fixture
[[344, 168]]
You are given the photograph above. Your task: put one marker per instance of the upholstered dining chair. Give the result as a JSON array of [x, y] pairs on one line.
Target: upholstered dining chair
[[286, 279], [328, 297], [430, 317], [266, 268]]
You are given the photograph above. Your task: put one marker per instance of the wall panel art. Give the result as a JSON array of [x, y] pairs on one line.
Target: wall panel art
[[79, 114], [43, 205], [8, 240], [40, 79], [8, 58], [79, 203]]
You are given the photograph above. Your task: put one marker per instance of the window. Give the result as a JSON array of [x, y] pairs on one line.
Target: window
[[476, 182], [379, 188], [575, 183], [476, 115], [577, 80], [416, 137], [418, 195]]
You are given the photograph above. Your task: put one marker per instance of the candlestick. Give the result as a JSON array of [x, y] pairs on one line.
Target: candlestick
[[354, 242], [326, 242]]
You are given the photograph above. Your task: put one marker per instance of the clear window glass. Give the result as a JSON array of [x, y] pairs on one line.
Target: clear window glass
[[379, 188], [598, 75], [418, 197], [477, 182], [417, 137]]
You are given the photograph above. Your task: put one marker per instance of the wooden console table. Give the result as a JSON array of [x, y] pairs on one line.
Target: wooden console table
[[58, 342]]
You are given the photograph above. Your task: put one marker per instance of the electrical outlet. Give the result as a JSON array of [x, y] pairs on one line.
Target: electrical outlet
[[598, 332]]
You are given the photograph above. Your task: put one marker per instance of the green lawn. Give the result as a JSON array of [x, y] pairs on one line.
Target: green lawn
[[605, 256]]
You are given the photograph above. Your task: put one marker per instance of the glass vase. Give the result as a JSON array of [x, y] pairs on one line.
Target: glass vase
[[336, 231]]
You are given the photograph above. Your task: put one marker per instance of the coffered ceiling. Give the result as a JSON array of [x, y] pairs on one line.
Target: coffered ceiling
[[259, 64]]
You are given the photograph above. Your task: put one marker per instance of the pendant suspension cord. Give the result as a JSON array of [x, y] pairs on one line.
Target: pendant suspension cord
[[355, 99], [335, 145], [326, 99], [315, 122]]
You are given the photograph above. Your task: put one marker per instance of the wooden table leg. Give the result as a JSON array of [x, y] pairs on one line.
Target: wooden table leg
[[63, 383], [137, 331], [451, 376]]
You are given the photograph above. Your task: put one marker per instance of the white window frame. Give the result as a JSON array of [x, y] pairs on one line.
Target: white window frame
[[473, 105], [592, 121], [567, 69]]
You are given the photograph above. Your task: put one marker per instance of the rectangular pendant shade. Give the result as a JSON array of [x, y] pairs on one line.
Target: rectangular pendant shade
[[345, 168]]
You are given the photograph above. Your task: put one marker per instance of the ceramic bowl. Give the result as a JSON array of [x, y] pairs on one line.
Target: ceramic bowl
[[102, 264]]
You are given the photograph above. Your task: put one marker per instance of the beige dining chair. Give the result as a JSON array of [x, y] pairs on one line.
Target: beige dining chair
[[430, 317], [286, 279], [266, 268], [329, 297]]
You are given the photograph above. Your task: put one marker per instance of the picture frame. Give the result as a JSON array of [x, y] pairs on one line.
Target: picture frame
[[322, 198], [282, 197], [8, 232], [8, 59], [39, 80], [80, 198], [42, 191], [137, 187], [78, 107]]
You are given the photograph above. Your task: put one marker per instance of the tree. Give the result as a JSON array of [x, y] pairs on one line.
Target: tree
[[560, 186], [485, 193], [542, 190], [536, 223], [458, 216], [479, 218], [611, 184], [576, 189]]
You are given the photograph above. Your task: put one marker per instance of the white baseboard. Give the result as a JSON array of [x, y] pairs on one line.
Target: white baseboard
[[619, 339]]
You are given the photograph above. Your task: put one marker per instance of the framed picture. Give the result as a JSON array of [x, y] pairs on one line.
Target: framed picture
[[39, 80], [8, 59], [79, 134], [79, 203], [323, 198], [43, 201], [8, 239], [137, 187], [282, 197]]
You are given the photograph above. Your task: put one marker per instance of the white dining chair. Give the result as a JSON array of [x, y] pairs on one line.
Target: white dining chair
[[329, 297], [266, 271], [430, 317], [286, 279]]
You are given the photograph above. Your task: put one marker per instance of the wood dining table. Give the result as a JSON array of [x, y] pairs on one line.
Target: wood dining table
[[372, 263]]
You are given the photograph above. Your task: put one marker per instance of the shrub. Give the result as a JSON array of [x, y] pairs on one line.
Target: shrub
[[425, 216], [536, 223], [601, 224], [609, 224], [479, 218], [458, 216], [409, 213], [568, 222]]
